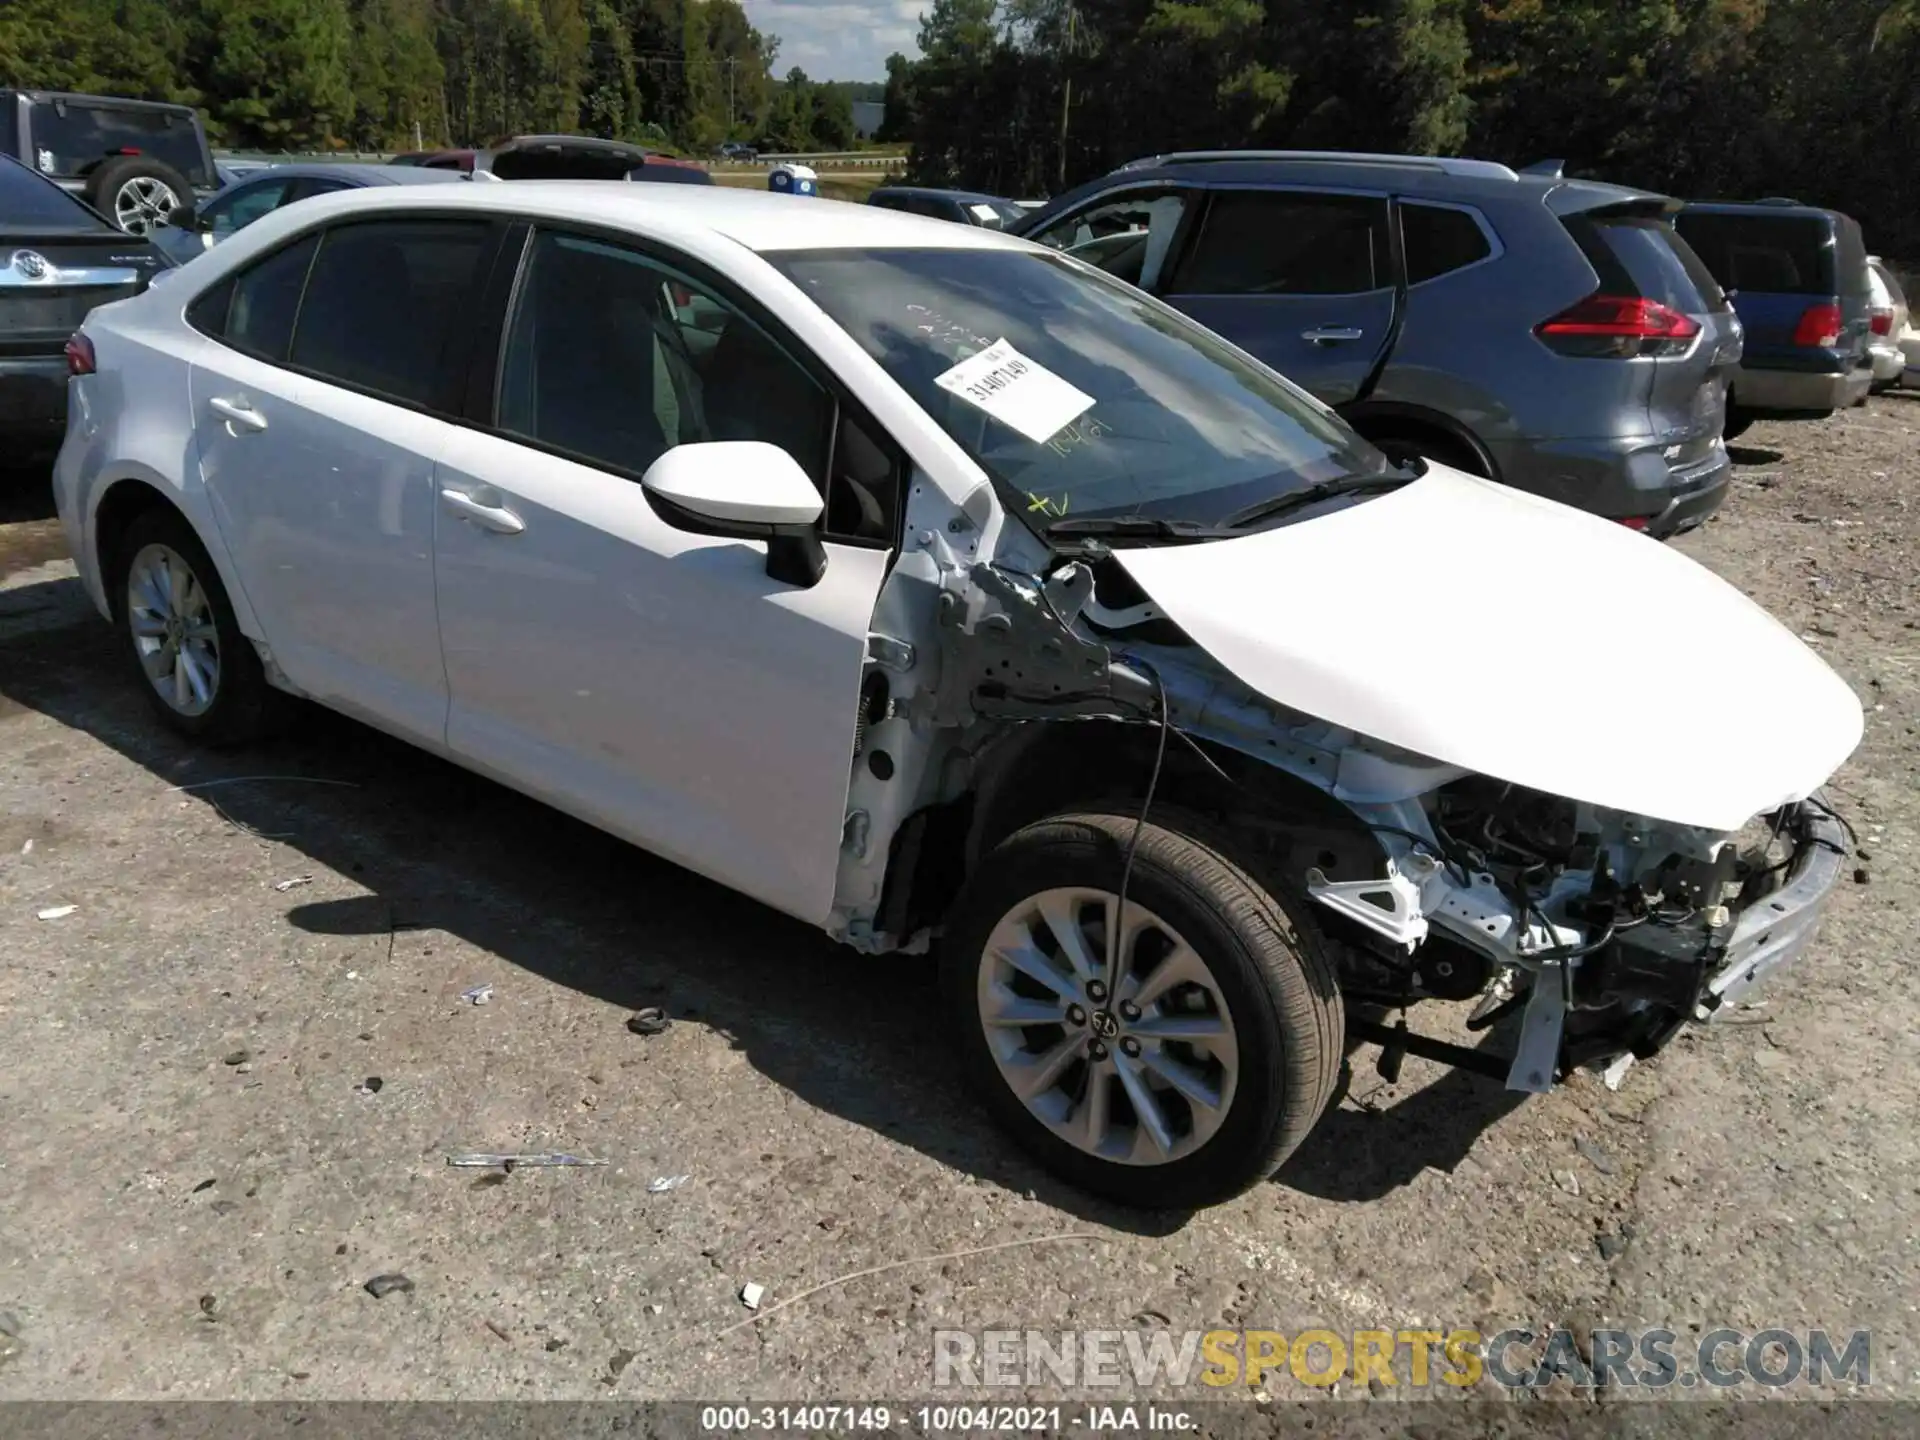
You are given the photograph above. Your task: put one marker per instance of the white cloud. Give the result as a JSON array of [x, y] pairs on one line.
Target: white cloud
[[839, 39]]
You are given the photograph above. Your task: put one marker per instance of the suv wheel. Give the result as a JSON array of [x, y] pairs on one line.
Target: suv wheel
[[1183, 1074], [137, 193]]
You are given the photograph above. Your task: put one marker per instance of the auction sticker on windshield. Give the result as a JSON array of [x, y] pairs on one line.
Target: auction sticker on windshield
[[1016, 391]]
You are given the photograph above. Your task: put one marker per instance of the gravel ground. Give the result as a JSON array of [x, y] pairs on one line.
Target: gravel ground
[[199, 1172]]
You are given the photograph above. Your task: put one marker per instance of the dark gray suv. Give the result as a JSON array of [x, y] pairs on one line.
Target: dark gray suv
[[1554, 334]]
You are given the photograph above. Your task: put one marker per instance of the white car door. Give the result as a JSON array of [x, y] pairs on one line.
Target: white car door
[[317, 442], [656, 682]]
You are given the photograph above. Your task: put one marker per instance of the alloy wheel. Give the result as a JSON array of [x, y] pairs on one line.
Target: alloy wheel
[[143, 203], [1137, 1065], [171, 620]]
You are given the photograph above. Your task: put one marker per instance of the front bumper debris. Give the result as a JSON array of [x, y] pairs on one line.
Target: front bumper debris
[[1777, 927]]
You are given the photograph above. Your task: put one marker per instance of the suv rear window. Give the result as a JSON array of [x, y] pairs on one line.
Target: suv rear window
[[1661, 265], [28, 203], [554, 162], [1770, 254], [77, 140]]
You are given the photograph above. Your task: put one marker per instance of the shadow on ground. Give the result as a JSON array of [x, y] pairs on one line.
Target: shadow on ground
[[1752, 455], [440, 848]]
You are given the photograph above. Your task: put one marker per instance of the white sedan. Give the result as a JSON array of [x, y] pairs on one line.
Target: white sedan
[[933, 587]]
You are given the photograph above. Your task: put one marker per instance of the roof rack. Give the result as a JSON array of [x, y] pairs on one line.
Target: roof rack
[[1440, 164]]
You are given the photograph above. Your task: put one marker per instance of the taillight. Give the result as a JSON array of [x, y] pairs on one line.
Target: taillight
[[79, 355], [1882, 322], [1618, 327], [1819, 326], [1632, 522]]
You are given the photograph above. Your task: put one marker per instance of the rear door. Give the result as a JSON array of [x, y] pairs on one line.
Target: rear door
[[318, 420], [1685, 392], [1303, 279]]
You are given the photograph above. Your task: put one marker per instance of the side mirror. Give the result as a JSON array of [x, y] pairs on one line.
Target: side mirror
[[183, 216], [745, 490]]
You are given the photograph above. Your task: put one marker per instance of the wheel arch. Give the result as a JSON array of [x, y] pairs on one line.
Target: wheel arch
[[1397, 420], [119, 503]]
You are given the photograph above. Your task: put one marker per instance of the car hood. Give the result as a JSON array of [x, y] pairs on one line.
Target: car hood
[[1523, 639]]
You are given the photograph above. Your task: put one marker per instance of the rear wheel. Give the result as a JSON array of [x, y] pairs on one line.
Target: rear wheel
[[202, 675], [1182, 1073], [1736, 424]]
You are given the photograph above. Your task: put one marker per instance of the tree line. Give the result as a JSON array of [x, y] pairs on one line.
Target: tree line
[[383, 74], [1815, 99]]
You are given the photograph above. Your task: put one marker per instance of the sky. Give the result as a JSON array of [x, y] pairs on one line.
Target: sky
[[838, 39]]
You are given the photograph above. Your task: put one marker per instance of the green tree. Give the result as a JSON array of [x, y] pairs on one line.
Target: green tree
[[275, 72], [901, 120]]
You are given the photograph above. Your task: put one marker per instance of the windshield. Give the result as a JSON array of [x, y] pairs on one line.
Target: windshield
[[1079, 396]]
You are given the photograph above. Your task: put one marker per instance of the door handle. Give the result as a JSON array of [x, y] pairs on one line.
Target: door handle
[[497, 518], [238, 414], [1330, 334]]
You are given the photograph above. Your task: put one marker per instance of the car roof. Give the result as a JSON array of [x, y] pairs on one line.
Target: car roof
[[1762, 207], [349, 170], [757, 220], [1442, 178]]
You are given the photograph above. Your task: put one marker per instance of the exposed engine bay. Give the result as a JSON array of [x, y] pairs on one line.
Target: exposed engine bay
[[1605, 931]]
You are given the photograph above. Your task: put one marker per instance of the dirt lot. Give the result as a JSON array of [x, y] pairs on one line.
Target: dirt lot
[[194, 1187]]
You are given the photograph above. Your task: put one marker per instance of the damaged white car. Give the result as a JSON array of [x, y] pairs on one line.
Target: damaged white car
[[938, 590]]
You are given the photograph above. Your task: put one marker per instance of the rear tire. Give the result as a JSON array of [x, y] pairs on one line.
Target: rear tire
[[1209, 1082], [200, 673]]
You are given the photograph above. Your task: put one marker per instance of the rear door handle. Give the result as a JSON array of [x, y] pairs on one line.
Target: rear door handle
[[238, 414], [497, 518], [1331, 334]]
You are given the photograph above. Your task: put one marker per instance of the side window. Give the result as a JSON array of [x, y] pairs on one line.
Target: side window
[[254, 310], [1286, 242], [1128, 236], [616, 357], [1439, 240], [387, 301], [224, 215]]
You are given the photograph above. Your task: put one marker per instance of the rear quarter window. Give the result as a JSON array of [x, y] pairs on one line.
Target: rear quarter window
[[1767, 254], [1440, 240]]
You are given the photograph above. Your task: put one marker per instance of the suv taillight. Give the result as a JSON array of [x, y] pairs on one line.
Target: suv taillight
[[1618, 327], [1882, 322], [1819, 326], [79, 355]]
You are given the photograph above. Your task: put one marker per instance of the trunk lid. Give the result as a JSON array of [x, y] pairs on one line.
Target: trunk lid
[[51, 279], [1471, 622]]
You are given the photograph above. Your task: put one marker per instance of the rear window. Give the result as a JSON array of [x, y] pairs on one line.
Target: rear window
[[1768, 254], [71, 138], [28, 203], [1661, 265], [556, 163]]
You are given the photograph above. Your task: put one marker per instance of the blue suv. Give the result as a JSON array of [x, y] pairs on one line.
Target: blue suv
[[1549, 333]]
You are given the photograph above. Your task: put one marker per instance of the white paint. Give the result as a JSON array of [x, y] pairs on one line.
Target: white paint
[[1491, 629], [743, 481], [1017, 391]]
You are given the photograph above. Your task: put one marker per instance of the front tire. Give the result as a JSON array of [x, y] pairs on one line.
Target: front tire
[[1185, 1077], [201, 674]]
